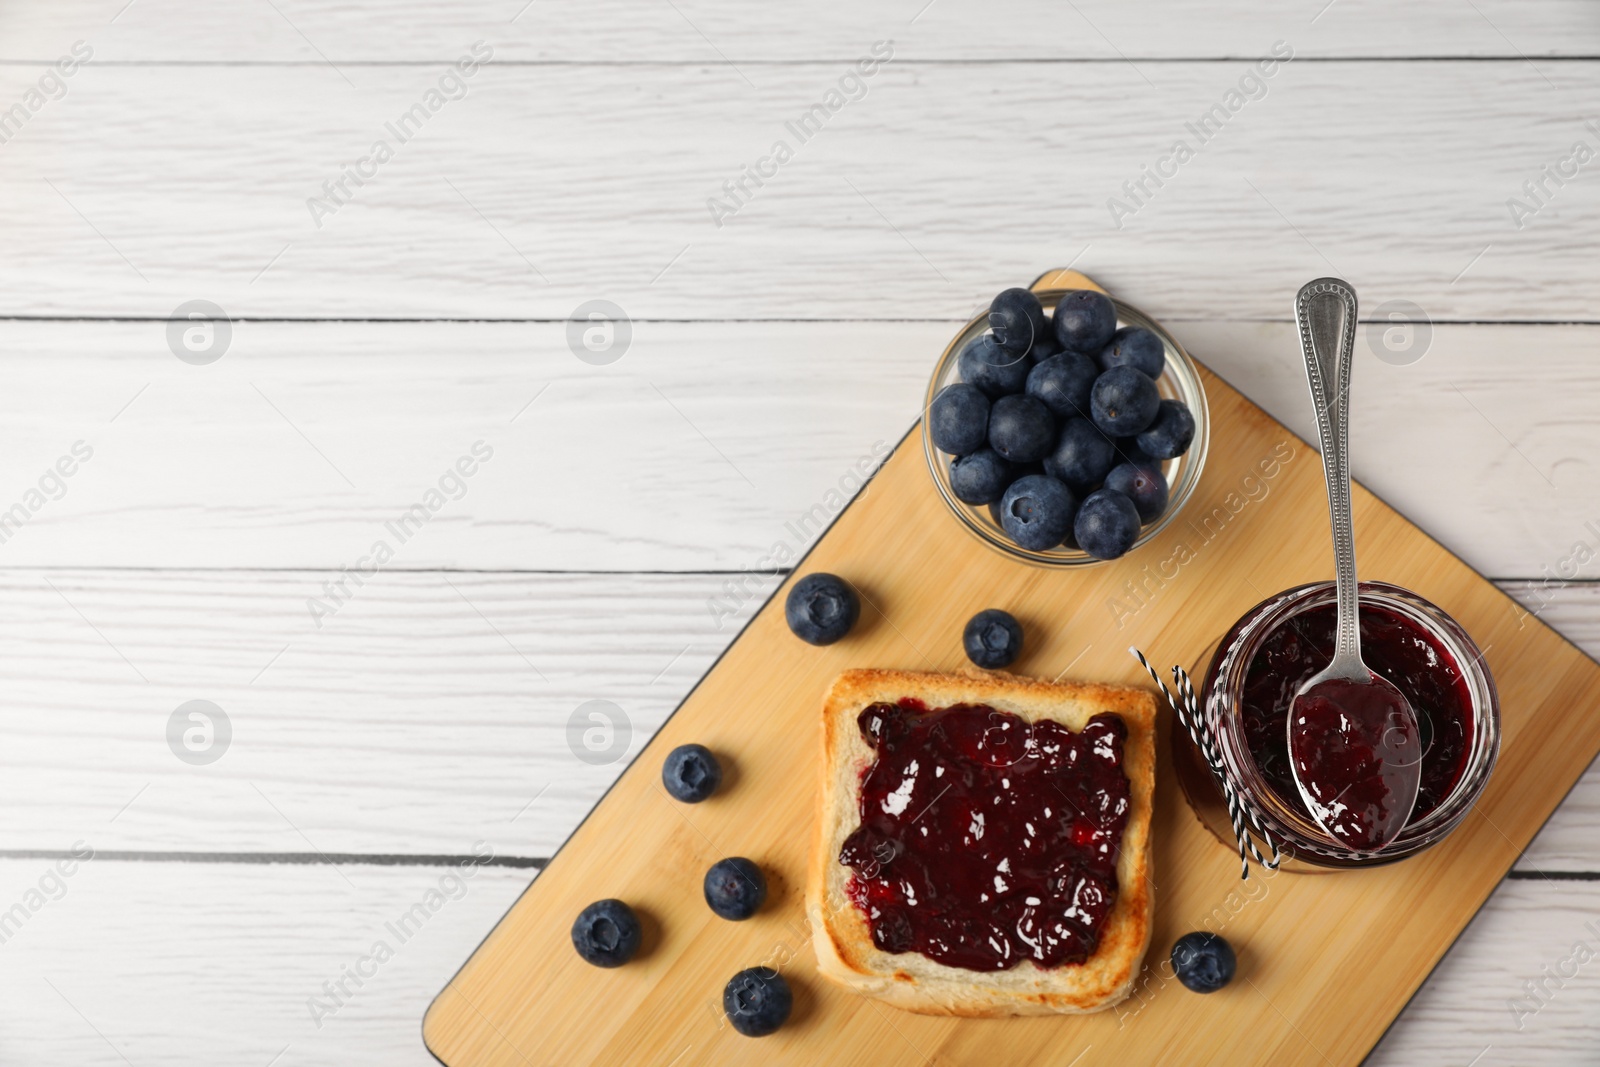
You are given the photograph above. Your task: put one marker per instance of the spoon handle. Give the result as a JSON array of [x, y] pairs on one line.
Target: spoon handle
[[1325, 311]]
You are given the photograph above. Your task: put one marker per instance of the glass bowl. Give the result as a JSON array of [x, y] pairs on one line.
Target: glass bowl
[[1181, 381], [1307, 843]]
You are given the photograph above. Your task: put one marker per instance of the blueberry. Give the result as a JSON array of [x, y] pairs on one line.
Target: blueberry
[[1124, 401], [1203, 961], [958, 419], [991, 368], [993, 639], [1082, 456], [757, 1001], [1171, 434], [1037, 511], [1136, 347], [821, 608], [606, 933], [1085, 321], [1017, 320], [691, 773], [1142, 483], [1063, 383], [994, 513], [1107, 524], [1021, 428], [979, 478], [735, 888]]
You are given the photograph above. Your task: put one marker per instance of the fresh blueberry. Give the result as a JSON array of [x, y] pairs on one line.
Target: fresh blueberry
[[1124, 401], [1142, 483], [821, 608], [606, 933], [979, 478], [1107, 524], [691, 773], [1136, 347], [1017, 320], [991, 368], [1021, 429], [1203, 961], [1082, 456], [1171, 434], [1085, 321], [735, 888], [1037, 511], [958, 419], [993, 639], [757, 1001], [1063, 383]]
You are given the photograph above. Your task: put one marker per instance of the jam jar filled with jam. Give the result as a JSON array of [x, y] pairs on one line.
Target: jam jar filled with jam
[[1259, 665]]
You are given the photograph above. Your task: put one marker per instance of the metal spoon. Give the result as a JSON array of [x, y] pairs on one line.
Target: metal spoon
[[1354, 745]]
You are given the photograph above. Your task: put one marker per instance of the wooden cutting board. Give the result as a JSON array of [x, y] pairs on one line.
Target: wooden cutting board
[[1326, 960]]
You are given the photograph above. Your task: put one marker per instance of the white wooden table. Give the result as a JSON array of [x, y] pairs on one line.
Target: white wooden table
[[231, 909]]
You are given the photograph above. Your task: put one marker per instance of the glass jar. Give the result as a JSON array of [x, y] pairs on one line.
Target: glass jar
[[1180, 381], [1222, 699]]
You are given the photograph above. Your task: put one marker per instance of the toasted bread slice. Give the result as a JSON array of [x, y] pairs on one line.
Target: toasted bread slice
[[910, 980]]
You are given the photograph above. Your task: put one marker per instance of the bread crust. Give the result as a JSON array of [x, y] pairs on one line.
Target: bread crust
[[910, 980]]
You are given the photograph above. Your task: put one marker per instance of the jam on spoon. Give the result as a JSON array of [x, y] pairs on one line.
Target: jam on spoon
[[1354, 746], [1361, 769]]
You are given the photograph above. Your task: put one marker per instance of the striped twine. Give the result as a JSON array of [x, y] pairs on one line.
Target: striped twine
[[1186, 706]]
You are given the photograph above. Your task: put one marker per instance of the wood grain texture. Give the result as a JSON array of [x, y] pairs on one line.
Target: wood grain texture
[[1566, 842], [642, 465], [1477, 1003], [699, 449], [467, 735], [508, 205], [409, 723], [193, 965], [431, 711], [614, 31], [514, 996]]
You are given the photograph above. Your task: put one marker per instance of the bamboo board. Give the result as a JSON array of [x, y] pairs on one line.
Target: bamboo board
[[1326, 961]]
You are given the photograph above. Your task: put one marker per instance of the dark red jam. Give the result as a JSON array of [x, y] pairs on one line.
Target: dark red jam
[[985, 840], [1393, 646], [1357, 752]]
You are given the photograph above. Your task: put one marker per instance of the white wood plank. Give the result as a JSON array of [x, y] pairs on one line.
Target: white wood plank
[[430, 711], [643, 465], [1476, 1003], [409, 723], [191, 964], [629, 30], [214, 963], [966, 178], [698, 449]]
